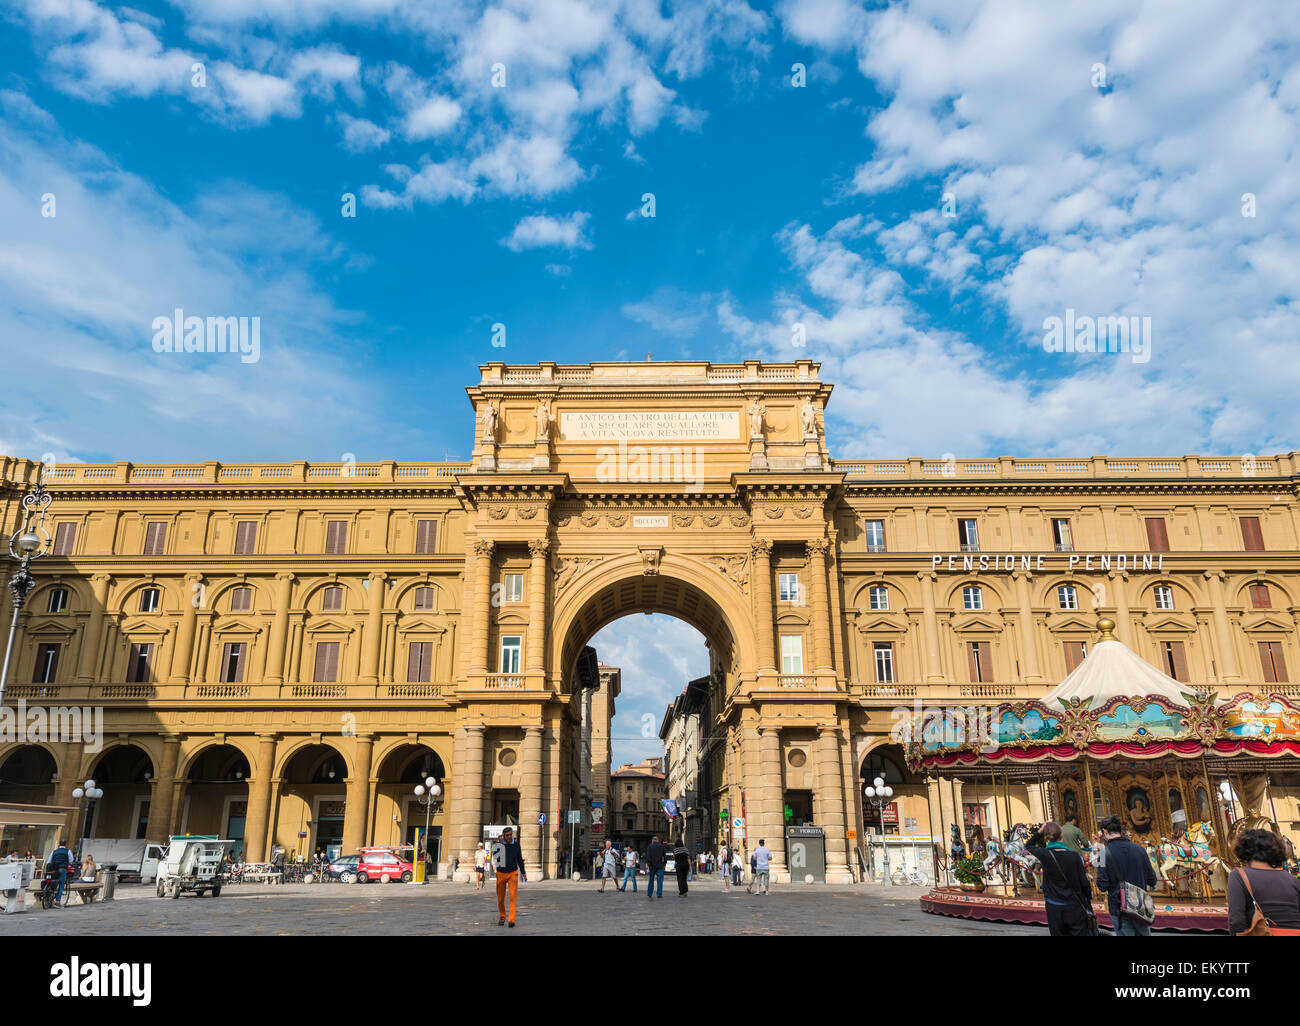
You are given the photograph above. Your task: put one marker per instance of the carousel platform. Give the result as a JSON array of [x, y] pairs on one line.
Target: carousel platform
[[1008, 908]]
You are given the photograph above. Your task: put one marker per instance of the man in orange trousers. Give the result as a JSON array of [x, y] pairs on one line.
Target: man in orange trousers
[[508, 858]]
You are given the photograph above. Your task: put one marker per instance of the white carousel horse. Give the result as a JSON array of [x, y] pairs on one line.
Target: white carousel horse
[[1011, 855], [1189, 860]]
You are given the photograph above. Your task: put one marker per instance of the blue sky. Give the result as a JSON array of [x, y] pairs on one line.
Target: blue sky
[[1100, 156]]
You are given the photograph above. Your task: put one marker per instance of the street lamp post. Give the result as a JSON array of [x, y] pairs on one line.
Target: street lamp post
[[90, 793], [31, 541], [879, 794], [428, 794]]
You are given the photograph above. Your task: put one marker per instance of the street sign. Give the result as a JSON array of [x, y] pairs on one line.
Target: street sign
[[541, 819], [852, 834], [575, 815], [738, 823]]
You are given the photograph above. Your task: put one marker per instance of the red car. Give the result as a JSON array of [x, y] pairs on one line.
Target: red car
[[383, 865]]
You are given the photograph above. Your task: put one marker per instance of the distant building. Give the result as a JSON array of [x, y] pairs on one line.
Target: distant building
[[636, 792], [598, 705], [684, 731]]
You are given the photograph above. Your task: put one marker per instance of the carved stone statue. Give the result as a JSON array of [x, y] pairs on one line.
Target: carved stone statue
[[809, 417], [756, 411], [543, 422], [490, 422]]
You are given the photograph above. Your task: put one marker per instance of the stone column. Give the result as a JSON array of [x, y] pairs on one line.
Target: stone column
[[830, 795], [88, 658], [1224, 642], [535, 657], [183, 652], [773, 797], [483, 602], [818, 583], [357, 807], [374, 627], [552, 802], [160, 800], [259, 801], [279, 629], [1118, 598], [761, 550], [467, 798], [70, 777], [1028, 635], [530, 799], [930, 628]]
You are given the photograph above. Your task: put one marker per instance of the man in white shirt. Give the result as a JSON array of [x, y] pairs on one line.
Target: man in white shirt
[[607, 864], [763, 860]]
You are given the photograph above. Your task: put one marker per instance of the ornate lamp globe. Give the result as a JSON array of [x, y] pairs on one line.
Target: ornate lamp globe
[[29, 542], [419, 790]]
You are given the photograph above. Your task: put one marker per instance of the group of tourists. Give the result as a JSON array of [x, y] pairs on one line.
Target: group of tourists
[[1263, 897]]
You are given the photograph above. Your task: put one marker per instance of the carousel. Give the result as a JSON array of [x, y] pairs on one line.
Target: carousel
[[1185, 772]]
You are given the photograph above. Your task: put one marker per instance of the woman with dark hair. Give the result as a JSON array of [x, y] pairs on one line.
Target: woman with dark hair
[[682, 858], [1262, 881]]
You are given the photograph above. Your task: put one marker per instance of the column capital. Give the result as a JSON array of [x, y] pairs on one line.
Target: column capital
[[285, 576], [379, 575], [1022, 575], [364, 738], [475, 728], [532, 728], [823, 729], [265, 736], [927, 575], [1214, 575], [538, 546], [192, 578], [484, 547], [818, 546], [760, 547], [1118, 575]]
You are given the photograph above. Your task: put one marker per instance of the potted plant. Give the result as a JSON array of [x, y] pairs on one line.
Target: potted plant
[[969, 870]]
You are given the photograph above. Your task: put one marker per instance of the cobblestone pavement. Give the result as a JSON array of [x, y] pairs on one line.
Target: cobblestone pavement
[[555, 907]]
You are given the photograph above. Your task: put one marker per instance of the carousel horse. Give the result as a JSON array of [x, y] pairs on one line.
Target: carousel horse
[[1011, 855], [1189, 860]]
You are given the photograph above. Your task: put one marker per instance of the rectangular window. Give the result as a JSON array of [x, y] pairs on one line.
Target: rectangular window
[[1061, 535], [1164, 596], [245, 537], [332, 599], [513, 587], [511, 653], [137, 667], [1157, 536], [1251, 538], [327, 662], [47, 664], [788, 588], [149, 599], [972, 597], [426, 537], [1173, 655], [969, 536], [1067, 597], [241, 600], [58, 600], [791, 653], [232, 663], [980, 662], [1270, 654], [155, 539], [879, 596], [884, 654], [1075, 652], [417, 663], [875, 531], [65, 537], [336, 537], [1259, 597]]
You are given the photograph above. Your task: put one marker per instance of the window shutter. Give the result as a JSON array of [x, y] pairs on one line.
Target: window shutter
[[327, 662], [425, 536], [65, 538], [245, 537], [1157, 536], [336, 537], [1178, 661], [1270, 655], [977, 655], [1251, 537], [1259, 597], [1074, 653], [155, 539]]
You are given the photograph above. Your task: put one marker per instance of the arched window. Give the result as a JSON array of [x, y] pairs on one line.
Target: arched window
[[149, 600], [1067, 597], [241, 600], [424, 598], [879, 596], [1164, 596], [332, 599], [972, 597]]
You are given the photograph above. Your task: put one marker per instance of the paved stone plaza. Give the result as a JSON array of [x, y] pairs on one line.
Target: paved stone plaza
[[550, 907]]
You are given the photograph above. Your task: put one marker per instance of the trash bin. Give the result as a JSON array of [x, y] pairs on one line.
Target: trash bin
[[110, 881]]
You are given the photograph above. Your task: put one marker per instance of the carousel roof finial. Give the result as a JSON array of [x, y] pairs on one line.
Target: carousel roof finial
[[1107, 627]]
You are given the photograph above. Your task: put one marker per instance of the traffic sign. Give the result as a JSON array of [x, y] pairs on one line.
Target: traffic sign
[[541, 819], [575, 815]]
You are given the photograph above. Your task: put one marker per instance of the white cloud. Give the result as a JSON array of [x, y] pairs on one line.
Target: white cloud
[[435, 116], [540, 230], [360, 135]]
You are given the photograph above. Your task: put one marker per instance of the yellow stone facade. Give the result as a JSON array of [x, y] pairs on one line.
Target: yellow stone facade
[[699, 490]]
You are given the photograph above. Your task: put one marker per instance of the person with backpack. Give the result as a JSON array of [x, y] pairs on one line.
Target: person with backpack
[[1126, 875], [1067, 894], [682, 859], [60, 861], [1263, 898]]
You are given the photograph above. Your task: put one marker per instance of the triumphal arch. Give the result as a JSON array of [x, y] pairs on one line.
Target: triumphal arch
[[281, 652]]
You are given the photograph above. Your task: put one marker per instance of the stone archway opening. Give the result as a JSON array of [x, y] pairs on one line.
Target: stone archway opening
[[398, 811], [125, 775], [216, 795], [27, 776], [313, 800]]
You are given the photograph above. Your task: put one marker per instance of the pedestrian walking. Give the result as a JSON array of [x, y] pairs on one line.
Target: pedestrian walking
[[1125, 873], [480, 866], [629, 869], [762, 864], [724, 868], [737, 866], [682, 858], [607, 860], [1263, 898], [655, 857], [1067, 893], [60, 861], [753, 871], [508, 860]]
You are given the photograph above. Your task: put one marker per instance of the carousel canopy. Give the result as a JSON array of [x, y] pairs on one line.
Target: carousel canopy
[[1111, 669]]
